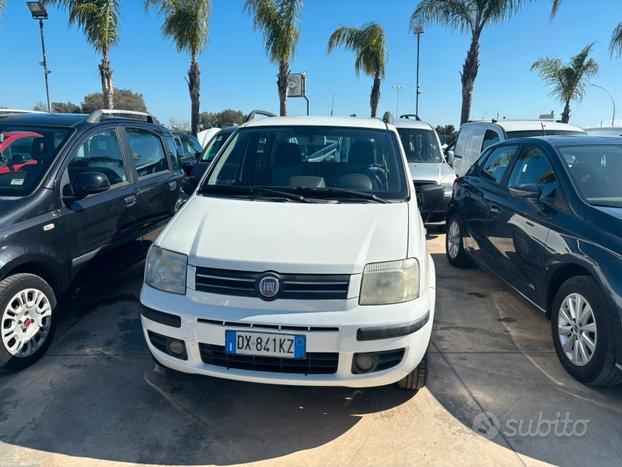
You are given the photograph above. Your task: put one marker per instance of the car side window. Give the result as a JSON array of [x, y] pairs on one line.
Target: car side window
[[497, 163], [173, 153], [147, 152], [100, 152], [490, 137], [533, 167]]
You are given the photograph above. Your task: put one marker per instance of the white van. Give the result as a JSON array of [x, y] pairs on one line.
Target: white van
[[605, 131], [427, 164], [475, 137], [287, 266]]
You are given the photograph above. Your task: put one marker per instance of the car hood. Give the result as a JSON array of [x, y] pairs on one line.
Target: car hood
[[287, 237], [430, 171]]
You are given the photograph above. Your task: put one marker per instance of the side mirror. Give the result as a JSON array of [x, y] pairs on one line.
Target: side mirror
[[89, 183], [189, 184], [431, 194], [187, 166], [197, 155], [451, 156], [531, 191]]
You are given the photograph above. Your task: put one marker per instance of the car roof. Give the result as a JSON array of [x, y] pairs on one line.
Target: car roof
[[351, 122], [411, 123], [526, 125], [63, 120], [563, 140]]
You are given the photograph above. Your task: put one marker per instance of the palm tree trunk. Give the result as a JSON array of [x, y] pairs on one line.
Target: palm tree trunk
[[194, 84], [374, 98], [468, 75], [566, 112], [281, 83], [105, 72]]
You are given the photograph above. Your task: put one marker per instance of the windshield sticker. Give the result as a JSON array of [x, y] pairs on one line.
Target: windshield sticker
[[17, 181]]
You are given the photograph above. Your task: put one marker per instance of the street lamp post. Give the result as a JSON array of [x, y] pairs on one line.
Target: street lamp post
[[418, 30], [38, 11], [398, 88], [613, 102]]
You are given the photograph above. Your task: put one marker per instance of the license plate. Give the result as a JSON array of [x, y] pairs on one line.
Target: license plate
[[265, 344]]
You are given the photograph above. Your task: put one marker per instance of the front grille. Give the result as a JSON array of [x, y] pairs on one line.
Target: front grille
[[294, 286], [315, 363]]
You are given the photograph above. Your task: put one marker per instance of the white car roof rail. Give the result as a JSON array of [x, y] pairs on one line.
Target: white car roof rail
[[19, 111], [254, 113], [96, 115]]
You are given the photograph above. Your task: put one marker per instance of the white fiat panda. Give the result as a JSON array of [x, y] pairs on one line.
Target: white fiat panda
[[299, 259]]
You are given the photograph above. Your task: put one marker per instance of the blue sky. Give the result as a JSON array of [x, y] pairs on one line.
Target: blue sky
[[236, 73]]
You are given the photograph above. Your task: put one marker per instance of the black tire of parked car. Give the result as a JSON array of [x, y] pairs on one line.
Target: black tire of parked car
[[600, 370], [416, 379], [9, 287], [461, 259]]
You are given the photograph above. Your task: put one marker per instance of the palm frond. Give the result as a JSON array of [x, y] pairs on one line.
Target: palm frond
[[185, 21], [369, 43], [279, 23], [568, 81], [455, 14], [615, 46], [497, 11], [555, 7]]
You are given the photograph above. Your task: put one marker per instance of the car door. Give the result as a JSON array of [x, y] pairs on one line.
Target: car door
[[158, 180], [483, 183], [519, 227], [97, 223]]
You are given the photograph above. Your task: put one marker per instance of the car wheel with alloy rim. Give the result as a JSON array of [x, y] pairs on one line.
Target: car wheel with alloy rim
[[582, 327], [26, 323], [454, 245]]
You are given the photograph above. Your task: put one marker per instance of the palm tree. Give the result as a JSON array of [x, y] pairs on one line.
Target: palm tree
[[2, 6], [370, 46], [568, 81], [99, 19], [615, 45], [279, 21], [470, 16], [187, 22]]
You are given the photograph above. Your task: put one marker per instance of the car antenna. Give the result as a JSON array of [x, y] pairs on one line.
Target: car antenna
[[543, 128]]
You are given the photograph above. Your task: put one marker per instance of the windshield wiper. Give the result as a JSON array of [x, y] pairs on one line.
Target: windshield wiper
[[252, 191], [345, 191]]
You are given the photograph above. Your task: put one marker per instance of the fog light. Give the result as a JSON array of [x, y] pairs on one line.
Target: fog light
[[364, 362], [176, 347]]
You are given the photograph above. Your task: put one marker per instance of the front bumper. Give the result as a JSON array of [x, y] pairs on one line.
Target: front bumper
[[204, 319], [437, 213]]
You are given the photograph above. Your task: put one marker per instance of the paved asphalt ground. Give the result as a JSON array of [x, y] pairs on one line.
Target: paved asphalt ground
[[95, 396]]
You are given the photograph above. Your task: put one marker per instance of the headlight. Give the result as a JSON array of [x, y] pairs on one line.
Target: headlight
[[390, 282], [166, 270]]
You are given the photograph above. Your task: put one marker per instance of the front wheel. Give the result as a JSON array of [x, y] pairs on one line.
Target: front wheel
[[454, 244], [416, 379], [26, 322], [582, 327]]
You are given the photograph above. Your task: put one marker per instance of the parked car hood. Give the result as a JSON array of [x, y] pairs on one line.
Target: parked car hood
[[430, 171], [287, 237]]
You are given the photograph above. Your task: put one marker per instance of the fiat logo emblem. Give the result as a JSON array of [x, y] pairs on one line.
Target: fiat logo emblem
[[269, 287]]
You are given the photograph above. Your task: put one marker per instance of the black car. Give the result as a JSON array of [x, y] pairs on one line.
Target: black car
[[189, 148], [206, 158], [545, 215], [80, 195]]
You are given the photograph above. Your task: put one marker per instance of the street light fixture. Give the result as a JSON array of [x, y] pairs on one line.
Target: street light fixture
[[38, 12], [613, 102], [398, 88], [418, 30]]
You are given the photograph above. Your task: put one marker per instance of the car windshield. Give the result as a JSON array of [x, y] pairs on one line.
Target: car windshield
[[329, 163], [596, 169], [420, 145], [214, 146], [25, 155], [544, 132], [191, 145]]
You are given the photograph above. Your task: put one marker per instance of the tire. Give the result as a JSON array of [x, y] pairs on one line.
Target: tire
[[416, 379], [595, 328], [17, 349], [455, 252]]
